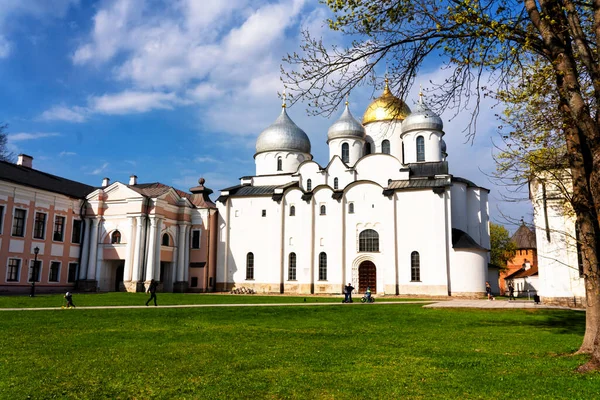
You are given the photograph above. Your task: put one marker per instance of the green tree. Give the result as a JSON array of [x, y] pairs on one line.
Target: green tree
[[498, 39], [502, 248]]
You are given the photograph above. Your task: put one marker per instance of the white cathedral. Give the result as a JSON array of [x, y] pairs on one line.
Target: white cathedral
[[384, 213]]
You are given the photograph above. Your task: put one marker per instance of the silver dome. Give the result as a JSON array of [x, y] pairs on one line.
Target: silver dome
[[346, 127], [443, 145], [283, 134], [422, 118]]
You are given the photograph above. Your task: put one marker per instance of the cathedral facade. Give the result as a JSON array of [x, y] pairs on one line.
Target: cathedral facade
[[384, 213]]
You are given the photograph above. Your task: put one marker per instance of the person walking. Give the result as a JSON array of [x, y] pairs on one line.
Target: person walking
[[152, 291], [349, 290], [511, 291], [488, 290], [69, 298]]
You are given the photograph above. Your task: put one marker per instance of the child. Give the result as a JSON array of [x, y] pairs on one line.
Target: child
[[488, 290], [368, 293], [69, 298]]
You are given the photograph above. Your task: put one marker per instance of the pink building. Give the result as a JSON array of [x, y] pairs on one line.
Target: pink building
[[113, 238]]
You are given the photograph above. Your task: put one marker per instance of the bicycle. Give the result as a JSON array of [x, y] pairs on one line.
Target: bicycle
[[370, 299]]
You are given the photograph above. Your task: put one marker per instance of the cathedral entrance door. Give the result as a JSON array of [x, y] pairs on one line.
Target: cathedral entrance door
[[367, 277]]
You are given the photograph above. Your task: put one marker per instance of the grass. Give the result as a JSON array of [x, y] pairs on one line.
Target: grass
[[341, 352], [139, 299]]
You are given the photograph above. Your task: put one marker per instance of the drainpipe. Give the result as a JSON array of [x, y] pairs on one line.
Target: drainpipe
[[79, 259], [144, 255]]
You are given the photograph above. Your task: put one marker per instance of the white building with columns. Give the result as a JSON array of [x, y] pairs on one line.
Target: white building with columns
[[384, 213], [138, 232]]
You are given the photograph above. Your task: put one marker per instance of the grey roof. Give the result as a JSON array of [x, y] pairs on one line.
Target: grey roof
[[40, 180], [282, 135], [462, 240], [524, 238], [425, 169], [422, 118], [419, 183], [346, 127]]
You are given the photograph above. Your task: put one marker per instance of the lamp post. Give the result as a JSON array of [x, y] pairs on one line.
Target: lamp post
[[34, 271]]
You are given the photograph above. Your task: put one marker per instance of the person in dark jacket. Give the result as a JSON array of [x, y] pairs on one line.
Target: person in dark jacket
[[348, 293], [152, 291]]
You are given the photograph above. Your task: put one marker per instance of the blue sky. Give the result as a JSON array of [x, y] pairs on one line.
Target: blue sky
[[176, 89]]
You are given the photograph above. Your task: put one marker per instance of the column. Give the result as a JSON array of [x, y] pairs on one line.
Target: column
[[186, 263], [135, 274], [85, 249], [181, 254], [151, 250], [128, 255], [157, 249], [91, 273]]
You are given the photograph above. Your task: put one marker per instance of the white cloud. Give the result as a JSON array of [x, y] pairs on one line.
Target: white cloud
[[62, 113], [4, 47], [132, 102], [22, 136], [67, 153], [206, 160], [99, 170]]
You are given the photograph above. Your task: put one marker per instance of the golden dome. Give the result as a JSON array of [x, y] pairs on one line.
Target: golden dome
[[387, 107]]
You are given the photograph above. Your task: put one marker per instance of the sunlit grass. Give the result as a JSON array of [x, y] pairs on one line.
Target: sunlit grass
[[344, 352]]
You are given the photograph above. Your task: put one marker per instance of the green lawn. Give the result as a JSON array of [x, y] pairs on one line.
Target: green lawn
[[340, 352], [139, 299]]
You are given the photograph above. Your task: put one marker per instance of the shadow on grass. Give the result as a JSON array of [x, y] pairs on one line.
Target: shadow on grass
[[563, 322]]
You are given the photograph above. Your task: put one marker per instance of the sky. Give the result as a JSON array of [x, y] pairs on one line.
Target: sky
[[175, 90]]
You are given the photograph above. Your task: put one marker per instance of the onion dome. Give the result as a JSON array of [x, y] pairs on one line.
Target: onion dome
[[444, 147], [422, 119], [283, 135], [386, 108], [346, 127]]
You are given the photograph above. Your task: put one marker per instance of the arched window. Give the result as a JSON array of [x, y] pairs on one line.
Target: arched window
[[415, 267], [389, 182], [322, 267], [351, 208], [346, 152], [323, 210], [335, 183], [292, 267], [368, 241], [420, 148], [385, 147], [367, 148], [165, 239], [292, 211], [250, 266], [309, 185], [279, 164], [115, 238]]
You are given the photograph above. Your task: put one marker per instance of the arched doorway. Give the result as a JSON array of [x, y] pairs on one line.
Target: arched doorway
[[367, 277]]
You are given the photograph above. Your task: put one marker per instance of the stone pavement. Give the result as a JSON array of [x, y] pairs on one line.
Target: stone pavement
[[459, 303]]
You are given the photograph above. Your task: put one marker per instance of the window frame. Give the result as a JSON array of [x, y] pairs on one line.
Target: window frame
[[385, 145], [39, 271], [2, 210], [193, 244], [308, 185], [322, 209], [23, 226], [345, 152], [162, 240], [115, 237], [9, 268], [35, 225], [250, 266], [263, 213], [420, 148], [279, 164], [292, 270], [79, 229], [351, 208], [69, 272], [368, 244], [292, 210], [62, 228], [336, 183], [415, 267], [322, 266], [50, 272]]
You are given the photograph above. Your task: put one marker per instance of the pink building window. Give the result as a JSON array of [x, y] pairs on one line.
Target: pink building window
[[115, 238]]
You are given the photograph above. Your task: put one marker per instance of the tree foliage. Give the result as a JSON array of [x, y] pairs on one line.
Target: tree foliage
[[537, 56], [503, 249]]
